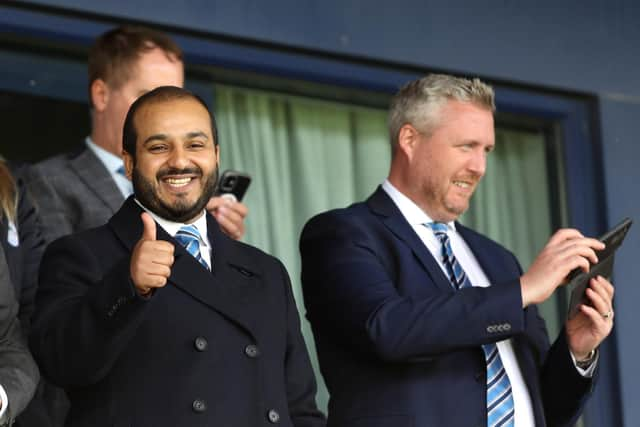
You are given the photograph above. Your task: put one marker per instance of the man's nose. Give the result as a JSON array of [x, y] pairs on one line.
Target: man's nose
[[478, 163], [178, 159]]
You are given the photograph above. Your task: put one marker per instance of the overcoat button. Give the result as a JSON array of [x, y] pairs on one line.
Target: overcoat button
[[200, 343], [199, 406], [274, 416], [252, 351]]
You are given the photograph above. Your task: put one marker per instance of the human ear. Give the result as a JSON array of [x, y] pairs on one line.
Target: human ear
[[408, 138], [99, 94]]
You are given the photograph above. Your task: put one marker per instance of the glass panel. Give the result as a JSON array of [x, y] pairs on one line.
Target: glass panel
[[37, 127], [305, 156]]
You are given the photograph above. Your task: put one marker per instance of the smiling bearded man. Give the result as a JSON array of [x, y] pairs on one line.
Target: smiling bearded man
[[158, 318]]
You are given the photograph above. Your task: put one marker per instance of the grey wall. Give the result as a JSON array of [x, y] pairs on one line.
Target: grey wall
[[588, 46]]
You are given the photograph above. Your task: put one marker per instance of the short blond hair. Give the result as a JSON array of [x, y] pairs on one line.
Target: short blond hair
[[419, 102]]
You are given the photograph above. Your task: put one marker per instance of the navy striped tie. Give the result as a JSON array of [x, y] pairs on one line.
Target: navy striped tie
[[189, 237], [500, 409]]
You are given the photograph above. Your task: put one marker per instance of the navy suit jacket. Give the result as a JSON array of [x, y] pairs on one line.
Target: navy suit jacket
[[398, 347], [210, 348]]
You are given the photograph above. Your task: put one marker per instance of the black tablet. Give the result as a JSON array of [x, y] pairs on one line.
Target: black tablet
[[579, 280]]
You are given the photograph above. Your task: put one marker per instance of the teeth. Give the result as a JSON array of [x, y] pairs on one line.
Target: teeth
[[462, 184], [178, 182]]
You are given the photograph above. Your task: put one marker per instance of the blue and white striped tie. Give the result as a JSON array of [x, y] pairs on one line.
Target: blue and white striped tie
[[500, 409], [189, 237]]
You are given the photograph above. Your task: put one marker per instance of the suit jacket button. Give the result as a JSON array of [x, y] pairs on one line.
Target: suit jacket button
[[199, 406], [200, 344], [252, 351], [274, 416]]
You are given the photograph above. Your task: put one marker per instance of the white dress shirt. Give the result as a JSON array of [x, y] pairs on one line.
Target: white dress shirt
[[112, 163]]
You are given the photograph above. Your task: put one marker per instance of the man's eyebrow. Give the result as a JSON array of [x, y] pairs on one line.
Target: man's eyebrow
[[158, 136], [165, 137], [197, 134]]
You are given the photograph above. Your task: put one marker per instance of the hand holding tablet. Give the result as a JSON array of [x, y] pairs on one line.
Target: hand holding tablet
[[579, 280]]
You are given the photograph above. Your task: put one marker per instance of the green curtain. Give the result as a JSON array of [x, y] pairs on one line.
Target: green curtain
[[307, 156]]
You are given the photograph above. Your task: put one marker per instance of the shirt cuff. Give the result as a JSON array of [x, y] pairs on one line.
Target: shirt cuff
[[4, 413], [589, 370]]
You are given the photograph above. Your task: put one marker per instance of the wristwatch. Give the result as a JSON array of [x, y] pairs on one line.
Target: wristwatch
[[586, 362]]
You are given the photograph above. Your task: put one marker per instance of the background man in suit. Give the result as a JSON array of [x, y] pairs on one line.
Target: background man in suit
[[142, 331], [420, 321], [82, 189], [18, 372]]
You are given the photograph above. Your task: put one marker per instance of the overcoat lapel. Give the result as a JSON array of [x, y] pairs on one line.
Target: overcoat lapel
[[226, 289]]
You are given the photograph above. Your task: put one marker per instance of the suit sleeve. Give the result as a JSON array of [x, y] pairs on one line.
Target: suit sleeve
[[19, 374], [564, 390], [353, 291], [300, 381], [55, 219], [85, 316]]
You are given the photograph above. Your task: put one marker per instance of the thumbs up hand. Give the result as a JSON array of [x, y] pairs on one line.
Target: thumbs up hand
[[151, 259]]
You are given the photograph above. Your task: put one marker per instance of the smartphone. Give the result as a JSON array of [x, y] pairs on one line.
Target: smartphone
[[233, 184]]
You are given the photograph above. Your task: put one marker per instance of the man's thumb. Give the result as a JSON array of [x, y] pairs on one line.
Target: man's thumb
[[149, 232]]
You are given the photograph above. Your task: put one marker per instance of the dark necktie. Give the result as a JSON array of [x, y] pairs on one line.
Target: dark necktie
[[500, 409], [189, 237]]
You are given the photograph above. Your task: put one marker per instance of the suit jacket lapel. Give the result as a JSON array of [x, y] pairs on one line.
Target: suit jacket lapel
[[226, 288], [382, 206], [97, 178]]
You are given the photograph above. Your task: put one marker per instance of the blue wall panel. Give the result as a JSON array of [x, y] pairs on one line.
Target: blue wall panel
[[621, 131], [589, 45]]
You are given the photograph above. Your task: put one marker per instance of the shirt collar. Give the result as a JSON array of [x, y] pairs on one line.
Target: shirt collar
[[411, 212], [172, 227], [110, 160]]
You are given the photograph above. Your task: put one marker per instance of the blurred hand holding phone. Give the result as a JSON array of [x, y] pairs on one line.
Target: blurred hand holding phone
[[233, 184]]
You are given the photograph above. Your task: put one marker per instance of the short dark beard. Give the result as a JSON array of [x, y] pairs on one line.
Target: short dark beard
[[180, 212]]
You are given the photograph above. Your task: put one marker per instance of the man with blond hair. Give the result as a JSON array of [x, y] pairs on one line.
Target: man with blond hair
[[420, 321]]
